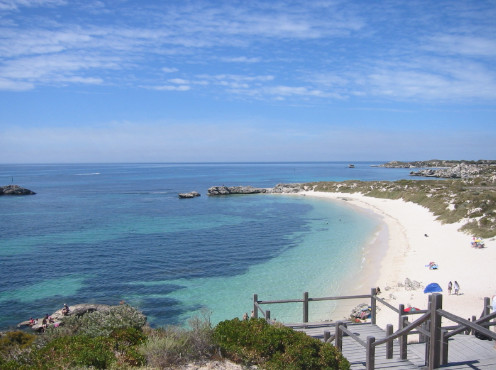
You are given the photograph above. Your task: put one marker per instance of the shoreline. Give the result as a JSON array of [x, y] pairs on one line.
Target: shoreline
[[409, 238]]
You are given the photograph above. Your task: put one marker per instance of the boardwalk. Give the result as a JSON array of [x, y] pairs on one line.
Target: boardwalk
[[465, 351]]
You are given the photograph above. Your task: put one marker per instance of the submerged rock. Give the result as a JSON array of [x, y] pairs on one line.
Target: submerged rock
[[15, 190]]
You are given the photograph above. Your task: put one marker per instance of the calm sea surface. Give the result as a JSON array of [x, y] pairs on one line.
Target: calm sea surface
[[104, 233]]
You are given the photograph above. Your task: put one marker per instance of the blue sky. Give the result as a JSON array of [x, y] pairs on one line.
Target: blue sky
[[216, 81]]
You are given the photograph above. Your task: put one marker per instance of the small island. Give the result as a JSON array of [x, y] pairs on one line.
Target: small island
[[15, 190]]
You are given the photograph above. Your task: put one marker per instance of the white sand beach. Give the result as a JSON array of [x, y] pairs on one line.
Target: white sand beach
[[413, 239]]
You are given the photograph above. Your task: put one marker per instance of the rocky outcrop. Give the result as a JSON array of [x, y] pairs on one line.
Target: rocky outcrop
[[192, 194], [278, 189], [460, 171], [57, 316], [228, 190], [287, 188], [15, 190]]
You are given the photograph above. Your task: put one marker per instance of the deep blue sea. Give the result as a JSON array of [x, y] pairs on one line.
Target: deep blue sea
[[106, 233]]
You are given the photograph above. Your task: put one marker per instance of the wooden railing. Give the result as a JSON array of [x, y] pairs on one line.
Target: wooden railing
[[428, 326]]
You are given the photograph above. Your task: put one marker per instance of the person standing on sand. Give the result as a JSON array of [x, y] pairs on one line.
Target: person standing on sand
[[450, 286], [457, 287]]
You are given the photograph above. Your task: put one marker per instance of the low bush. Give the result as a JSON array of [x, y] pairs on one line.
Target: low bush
[[275, 346], [100, 323], [173, 346], [15, 348]]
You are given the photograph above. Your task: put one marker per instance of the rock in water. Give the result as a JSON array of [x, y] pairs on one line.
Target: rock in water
[[15, 190], [192, 194], [226, 190]]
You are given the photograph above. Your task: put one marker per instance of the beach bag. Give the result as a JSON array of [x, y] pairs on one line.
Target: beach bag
[[481, 336]]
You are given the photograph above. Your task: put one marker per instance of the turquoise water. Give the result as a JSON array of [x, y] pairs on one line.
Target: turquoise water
[[111, 232]]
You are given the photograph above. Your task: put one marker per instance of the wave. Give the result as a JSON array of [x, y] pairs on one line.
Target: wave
[[88, 174]]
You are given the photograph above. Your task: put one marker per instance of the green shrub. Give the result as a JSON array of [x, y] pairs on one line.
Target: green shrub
[[101, 352], [275, 346], [15, 348], [74, 351], [173, 346], [103, 323]]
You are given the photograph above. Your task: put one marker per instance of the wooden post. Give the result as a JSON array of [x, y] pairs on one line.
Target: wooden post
[[255, 308], [327, 336], [474, 318], [487, 311], [487, 306], [444, 347], [435, 332], [267, 316], [427, 327], [339, 336], [401, 308], [373, 306], [305, 307], [389, 343], [422, 336], [403, 339], [370, 355]]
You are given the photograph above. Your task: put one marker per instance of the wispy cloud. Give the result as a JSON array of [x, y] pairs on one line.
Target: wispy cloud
[[322, 50], [11, 5]]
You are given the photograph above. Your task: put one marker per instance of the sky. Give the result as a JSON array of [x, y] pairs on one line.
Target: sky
[[246, 81]]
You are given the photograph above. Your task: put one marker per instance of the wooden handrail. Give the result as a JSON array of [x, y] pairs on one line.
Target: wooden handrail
[[315, 299], [387, 304], [354, 336], [281, 301], [260, 309], [340, 297], [405, 330], [467, 324]]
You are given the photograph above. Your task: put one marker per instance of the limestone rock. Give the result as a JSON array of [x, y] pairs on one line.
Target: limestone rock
[[228, 190], [287, 188], [15, 190], [76, 310], [192, 194]]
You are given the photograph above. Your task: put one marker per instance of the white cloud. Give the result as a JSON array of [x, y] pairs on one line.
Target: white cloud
[[16, 4], [241, 59], [169, 88], [462, 45], [7, 84]]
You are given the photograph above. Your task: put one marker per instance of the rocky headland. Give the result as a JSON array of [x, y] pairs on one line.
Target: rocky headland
[[449, 169], [15, 190]]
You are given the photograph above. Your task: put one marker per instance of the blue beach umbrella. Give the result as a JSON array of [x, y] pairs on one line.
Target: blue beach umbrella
[[433, 288]]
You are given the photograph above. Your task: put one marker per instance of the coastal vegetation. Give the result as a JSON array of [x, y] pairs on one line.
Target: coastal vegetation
[[470, 201], [120, 339]]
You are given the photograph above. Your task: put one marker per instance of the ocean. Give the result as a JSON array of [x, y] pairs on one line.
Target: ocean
[[106, 233]]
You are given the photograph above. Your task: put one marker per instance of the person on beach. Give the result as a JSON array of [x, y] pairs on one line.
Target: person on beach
[[245, 316], [450, 286], [457, 287], [65, 310]]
